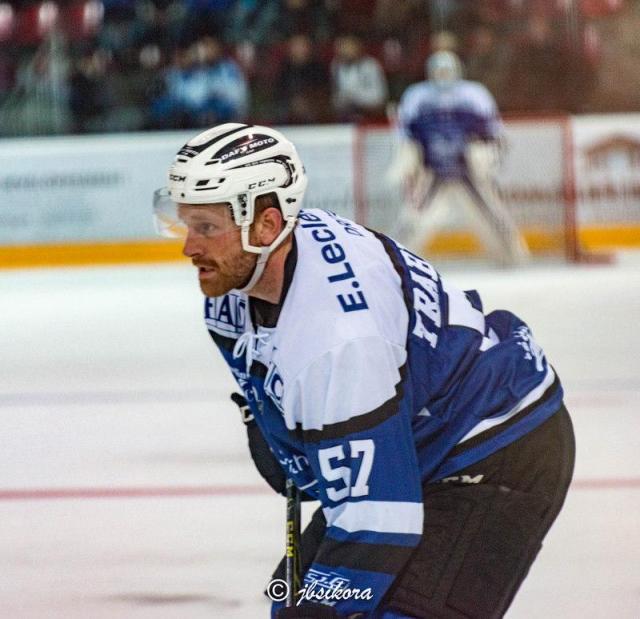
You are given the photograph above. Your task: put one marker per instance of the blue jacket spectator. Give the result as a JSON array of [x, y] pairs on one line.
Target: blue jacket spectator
[[201, 87]]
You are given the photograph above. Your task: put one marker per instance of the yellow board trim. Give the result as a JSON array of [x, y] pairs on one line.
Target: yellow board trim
[[450, 242], [609, 238], [83, 254]]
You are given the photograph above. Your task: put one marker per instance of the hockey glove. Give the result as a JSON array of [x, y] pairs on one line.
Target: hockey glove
[[261, 454]]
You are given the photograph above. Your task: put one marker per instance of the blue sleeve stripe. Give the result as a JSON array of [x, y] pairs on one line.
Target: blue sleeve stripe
[[374, 537]]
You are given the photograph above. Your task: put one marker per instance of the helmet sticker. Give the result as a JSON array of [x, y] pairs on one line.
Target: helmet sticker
[[245, 146], [193, 148]]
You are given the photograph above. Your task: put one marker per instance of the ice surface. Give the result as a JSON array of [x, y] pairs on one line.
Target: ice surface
[[126, 490]]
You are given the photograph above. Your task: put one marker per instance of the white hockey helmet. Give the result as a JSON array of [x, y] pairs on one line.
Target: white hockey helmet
[[443, 67], [234, 163]]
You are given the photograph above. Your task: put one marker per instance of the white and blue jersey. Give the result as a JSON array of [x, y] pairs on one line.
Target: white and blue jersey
[[378, 376], [443, 119]]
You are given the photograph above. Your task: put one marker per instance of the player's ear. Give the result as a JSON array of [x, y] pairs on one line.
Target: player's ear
[[268, 220]]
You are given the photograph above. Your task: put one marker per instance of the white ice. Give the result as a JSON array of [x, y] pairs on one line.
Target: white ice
[[109, 381]]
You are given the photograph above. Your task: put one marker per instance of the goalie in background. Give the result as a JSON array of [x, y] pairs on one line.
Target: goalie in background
[[451, 138]]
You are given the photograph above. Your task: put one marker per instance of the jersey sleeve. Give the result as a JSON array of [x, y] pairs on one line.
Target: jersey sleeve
[[407, 111], [353, 407], [485, 118]]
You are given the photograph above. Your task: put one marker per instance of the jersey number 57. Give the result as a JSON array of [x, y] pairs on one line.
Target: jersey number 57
[[328, 459]]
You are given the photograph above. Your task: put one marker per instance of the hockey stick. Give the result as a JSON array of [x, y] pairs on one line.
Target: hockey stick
[[292, 556]]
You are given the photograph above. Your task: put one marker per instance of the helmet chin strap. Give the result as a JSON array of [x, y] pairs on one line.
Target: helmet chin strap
[[258, 270], [262, 251]]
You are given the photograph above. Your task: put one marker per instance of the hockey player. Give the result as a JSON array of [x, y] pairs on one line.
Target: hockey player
[[433, 435], [450, 134]]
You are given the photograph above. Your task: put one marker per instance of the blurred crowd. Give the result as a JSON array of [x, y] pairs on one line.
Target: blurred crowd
[[121, 65]]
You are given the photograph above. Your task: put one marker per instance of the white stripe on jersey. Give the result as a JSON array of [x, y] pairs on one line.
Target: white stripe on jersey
[[489, 340], [530, 398], [461, 312], [351, 380], [379, 516]]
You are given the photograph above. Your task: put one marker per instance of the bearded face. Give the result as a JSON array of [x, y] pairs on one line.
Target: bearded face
[[214, 245]]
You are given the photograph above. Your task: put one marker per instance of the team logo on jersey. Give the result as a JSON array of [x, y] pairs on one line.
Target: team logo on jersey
[[326, 579], [329, 587], [274, 386], [296, 464], [225, 315], [244, 382], [531, 348]]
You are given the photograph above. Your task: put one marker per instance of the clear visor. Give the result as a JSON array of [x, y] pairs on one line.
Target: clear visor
[[177, 221]]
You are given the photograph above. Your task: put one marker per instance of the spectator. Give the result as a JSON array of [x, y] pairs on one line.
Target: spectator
[[128, 87], [205, 18], [444, 41], [536, 73], [252, 21], [225, 84], [487, 60], [121, 27], [304, 16], [161, 23], [392, 18], [43, 84], [167, 110], [202, 86], [355, 16], [7, 72], [302, 93], [359, 83], [86, 97]]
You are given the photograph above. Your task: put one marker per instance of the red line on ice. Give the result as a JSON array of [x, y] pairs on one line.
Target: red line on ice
[[605, 484], [213, 491], [129, 493]]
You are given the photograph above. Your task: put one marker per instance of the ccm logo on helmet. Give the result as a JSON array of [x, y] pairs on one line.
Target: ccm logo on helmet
[[261, 183], [177, 177]]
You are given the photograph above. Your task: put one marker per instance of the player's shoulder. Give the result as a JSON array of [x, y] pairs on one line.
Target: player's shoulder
[[336, 257], [419, 90], [344, 285], [476, 95]]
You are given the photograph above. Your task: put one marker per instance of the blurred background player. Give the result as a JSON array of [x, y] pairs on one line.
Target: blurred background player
[[450, 138], [358, 81]]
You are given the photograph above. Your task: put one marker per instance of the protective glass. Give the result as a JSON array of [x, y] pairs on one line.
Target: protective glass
[[178, 221]]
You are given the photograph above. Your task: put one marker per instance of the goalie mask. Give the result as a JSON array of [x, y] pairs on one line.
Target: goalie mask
[[443, 68], [234, 164]]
